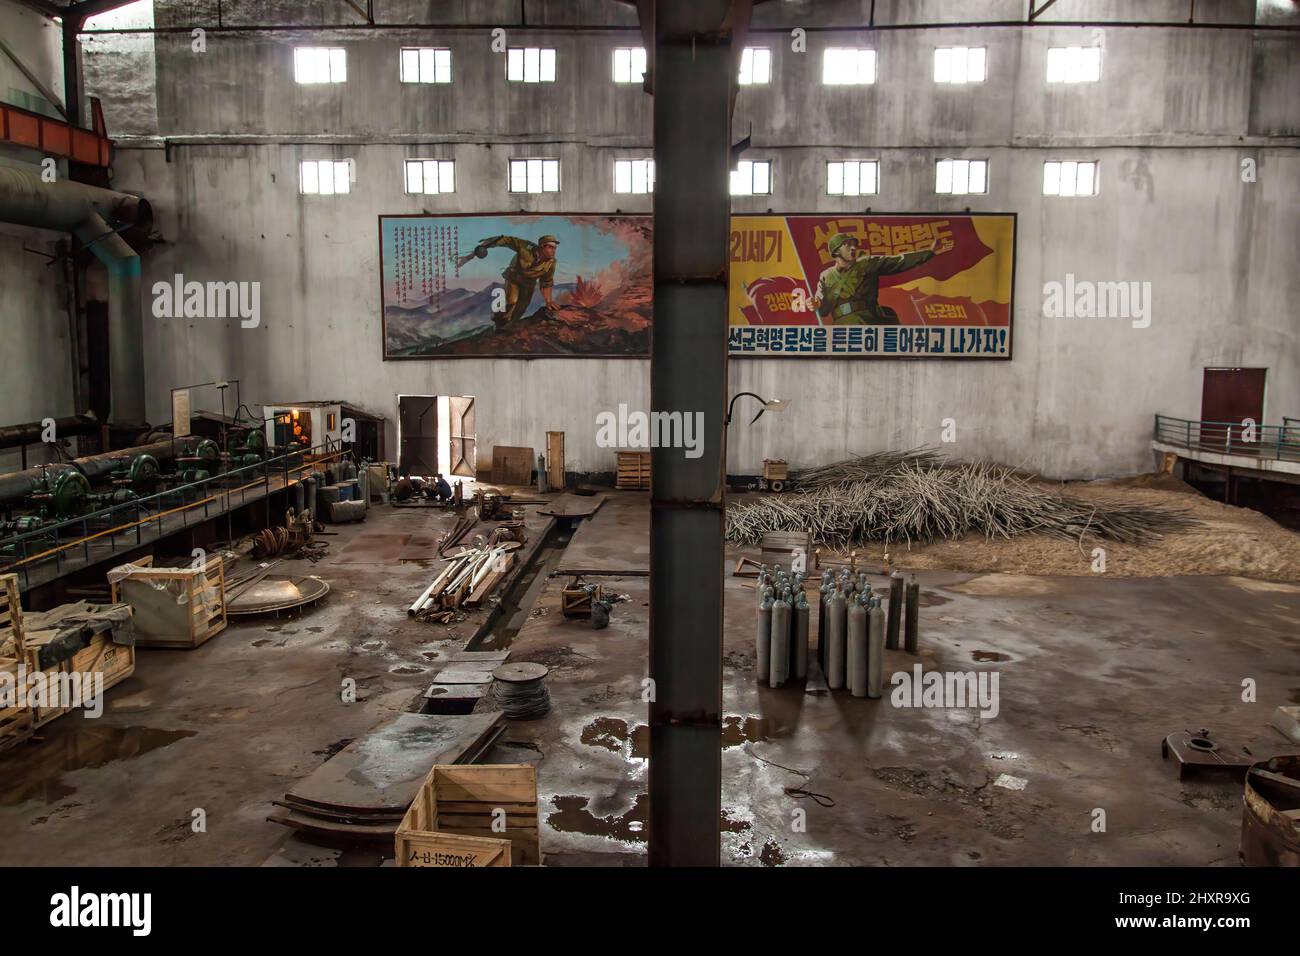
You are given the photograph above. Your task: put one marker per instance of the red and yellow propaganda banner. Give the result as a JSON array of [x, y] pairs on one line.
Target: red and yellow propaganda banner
[[912, 286]]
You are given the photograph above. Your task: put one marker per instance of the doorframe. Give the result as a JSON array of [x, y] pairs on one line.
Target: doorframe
[[436, 435]]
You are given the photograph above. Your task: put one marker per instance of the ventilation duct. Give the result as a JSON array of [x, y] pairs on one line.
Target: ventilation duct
[[95, 217]]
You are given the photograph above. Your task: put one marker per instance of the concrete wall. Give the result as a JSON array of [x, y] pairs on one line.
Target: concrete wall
[[1173, 116], [35, 363]]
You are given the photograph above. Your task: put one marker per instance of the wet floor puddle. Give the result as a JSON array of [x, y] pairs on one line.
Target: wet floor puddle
[[572, 816], [615, 736], [986, 656], [35, 770]]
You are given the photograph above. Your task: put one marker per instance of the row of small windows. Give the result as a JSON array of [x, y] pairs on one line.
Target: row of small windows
[[841, 66], [854, 177]]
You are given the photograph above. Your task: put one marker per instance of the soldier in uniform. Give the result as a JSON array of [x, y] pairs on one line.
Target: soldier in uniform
[[533, 265], [848, 291]]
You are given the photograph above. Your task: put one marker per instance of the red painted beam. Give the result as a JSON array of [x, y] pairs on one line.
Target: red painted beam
[[53, 137]]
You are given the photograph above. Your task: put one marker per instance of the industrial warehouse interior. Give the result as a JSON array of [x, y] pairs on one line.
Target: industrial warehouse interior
[[518, 433]]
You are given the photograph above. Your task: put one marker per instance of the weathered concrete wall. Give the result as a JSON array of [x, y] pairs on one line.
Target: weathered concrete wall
[[1175, 113], [35, 360]]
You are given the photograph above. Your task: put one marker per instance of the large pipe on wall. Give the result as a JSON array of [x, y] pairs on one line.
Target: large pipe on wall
[[88, 212], [19, 484]]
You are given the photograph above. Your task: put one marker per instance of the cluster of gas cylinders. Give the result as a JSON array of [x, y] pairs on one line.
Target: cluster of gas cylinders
[[854, 628]]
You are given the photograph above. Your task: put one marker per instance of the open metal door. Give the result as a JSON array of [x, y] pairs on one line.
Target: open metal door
[[461, 408], [418, 417]]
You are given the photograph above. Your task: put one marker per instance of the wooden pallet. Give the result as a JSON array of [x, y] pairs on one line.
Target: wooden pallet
[[193, 621], [633, 470], [11, 617], [490, 801], [17, 723]]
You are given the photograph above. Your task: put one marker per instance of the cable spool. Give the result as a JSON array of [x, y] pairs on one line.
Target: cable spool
[[520, 690]]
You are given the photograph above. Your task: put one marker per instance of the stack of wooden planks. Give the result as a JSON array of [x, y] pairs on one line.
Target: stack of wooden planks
[[467, 579], [364, 790], [633, 470]]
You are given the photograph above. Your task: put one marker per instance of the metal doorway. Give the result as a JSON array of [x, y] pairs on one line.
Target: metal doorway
[[417, 434], [461, 416]]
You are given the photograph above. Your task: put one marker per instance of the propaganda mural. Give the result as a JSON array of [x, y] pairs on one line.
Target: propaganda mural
[[515, 286], [872, 286], [865, 285]]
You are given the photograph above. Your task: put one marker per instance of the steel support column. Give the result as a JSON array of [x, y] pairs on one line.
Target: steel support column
[[694, 78]]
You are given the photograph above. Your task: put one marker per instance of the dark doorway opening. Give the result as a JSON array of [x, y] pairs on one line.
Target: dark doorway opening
[[1230, 397]]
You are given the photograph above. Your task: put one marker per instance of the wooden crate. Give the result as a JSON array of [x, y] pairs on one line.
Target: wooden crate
[[17, 723], [11, 617], [115, 661], [162, 621], [463, 800], [450, 849], [633, 470], [776, 469]]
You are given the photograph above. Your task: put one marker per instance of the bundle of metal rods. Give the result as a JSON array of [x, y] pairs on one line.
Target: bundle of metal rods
[[920, 496]]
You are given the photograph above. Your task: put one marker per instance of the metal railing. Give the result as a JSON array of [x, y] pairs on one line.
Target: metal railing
[[194, 503], [1275, 442]]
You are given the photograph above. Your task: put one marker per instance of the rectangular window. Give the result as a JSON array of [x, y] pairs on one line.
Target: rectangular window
[[755, 65], [960, 177], [530, 64], [318, 64], [752, 178], [1069, 179], [853, 177], [959, 64], [534, 175], [847, 66], [430, 176], [629, 64], [634, 175], [426, 64], [325, 177], [1073, 64]]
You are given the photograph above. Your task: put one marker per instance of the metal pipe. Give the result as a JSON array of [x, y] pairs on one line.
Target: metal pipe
[[86, 212], [19, 484], [895, 610], [875, 650], [857, 627], [779, 667], [836, 610], [31, 433], [912, 617], [800, 654]]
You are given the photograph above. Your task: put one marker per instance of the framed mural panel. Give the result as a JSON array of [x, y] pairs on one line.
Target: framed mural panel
[[872, 286], [515, 286]]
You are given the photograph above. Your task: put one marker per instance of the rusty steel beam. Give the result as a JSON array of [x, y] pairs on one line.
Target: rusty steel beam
[[694, 83]]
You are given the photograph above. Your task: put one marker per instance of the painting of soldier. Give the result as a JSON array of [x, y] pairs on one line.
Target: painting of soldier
[[500, 286]]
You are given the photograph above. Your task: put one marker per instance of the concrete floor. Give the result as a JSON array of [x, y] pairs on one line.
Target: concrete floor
[[1093, 672]]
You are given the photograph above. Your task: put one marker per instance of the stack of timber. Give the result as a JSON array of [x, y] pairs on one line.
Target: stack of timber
[[633, 470], [467, 579], [451, 820], [363, 792]]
